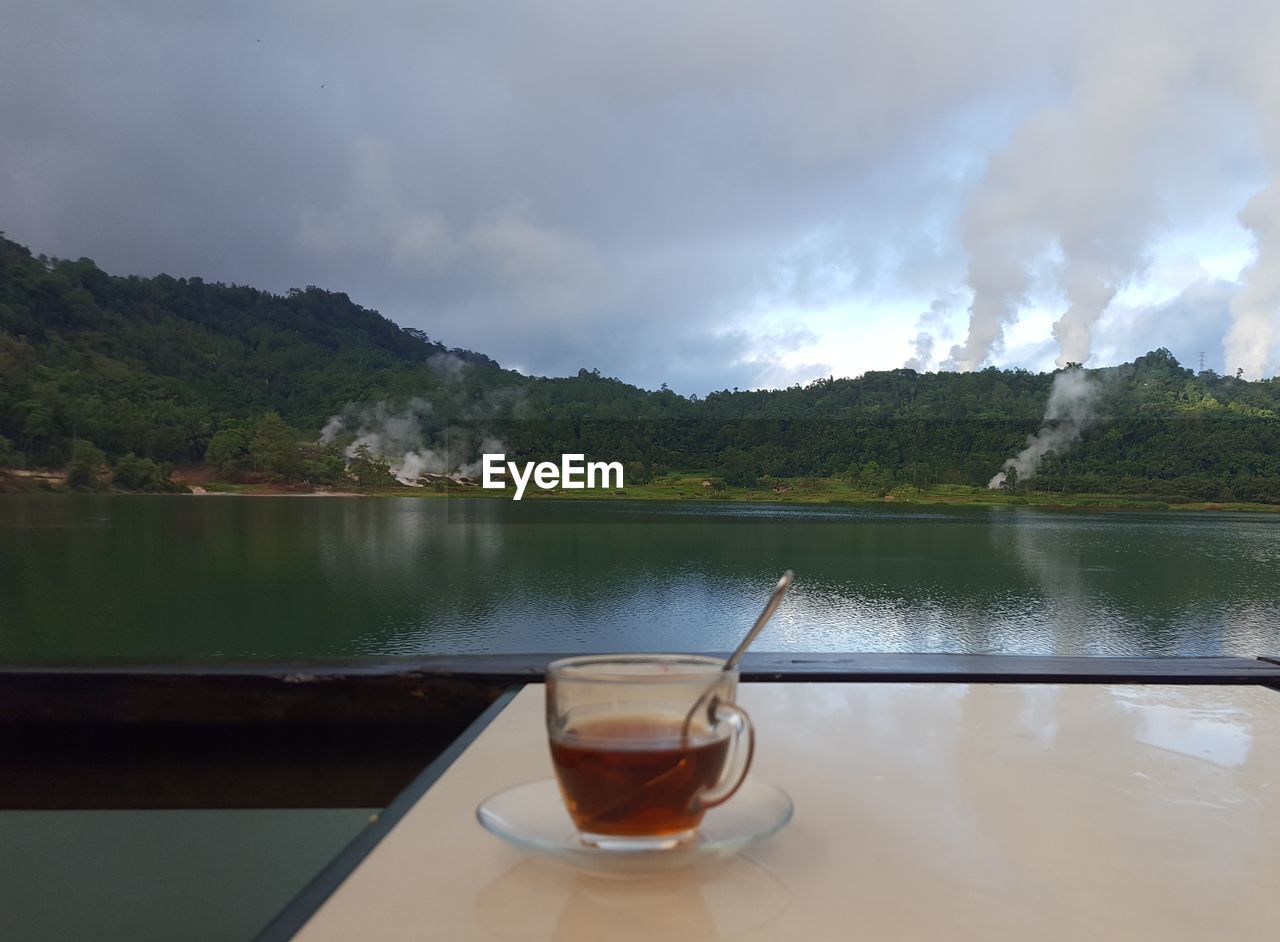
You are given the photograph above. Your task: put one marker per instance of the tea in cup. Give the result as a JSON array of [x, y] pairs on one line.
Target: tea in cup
[[635, 769]]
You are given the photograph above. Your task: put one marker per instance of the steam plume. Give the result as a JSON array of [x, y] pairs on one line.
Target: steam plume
[[1251, 342], [1080, 181], [1255, 309], [450, 367], [1071, 410], [411, 439], [440, 436], [924, 353], [932, 326]]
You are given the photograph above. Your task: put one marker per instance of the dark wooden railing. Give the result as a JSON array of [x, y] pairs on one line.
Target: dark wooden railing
[[353, 732]]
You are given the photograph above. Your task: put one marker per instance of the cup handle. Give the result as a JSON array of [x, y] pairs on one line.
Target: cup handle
[[740, 755]]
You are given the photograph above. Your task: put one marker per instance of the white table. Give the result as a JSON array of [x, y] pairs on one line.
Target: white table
[[923, 811]]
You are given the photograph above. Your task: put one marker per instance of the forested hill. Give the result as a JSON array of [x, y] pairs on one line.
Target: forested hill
[[156, 367], [153, 365]]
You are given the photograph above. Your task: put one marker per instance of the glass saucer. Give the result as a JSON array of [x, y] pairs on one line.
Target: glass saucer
[[533, 817]]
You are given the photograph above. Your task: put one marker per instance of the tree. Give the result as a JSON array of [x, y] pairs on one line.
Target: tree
[[736, 468], [140, 474], [324, 464], [873, 478], [9, 456], [85, 468], [370, 470], [228, 451], [273, 449], [638, 472]]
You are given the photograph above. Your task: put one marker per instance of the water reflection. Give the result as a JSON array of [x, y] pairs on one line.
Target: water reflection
[[177, 577]]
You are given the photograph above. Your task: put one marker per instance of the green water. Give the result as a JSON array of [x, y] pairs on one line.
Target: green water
[[169, 577]]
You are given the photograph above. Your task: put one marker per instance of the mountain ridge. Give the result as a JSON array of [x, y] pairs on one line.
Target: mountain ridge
[[156, 366]]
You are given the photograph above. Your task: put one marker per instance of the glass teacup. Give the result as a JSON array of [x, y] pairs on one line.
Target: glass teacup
[[636, 771]]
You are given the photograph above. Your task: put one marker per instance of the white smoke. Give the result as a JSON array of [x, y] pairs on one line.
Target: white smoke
[[448, 365], [394, 435], [1071, 409], [1089, 181], [924, 353], [490, 446], [932, 326], [332, 429], [411, 439], [1250, 343]]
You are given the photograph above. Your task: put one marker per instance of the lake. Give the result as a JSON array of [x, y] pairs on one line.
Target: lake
[[183, 577]]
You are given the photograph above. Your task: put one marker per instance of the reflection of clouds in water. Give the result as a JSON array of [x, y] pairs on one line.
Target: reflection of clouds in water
[[465, 576], [1048, 555], [835, 619], [1249, 615], [1251, 626], [1103, 585]]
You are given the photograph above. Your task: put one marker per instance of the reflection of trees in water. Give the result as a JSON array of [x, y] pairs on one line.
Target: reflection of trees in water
[[173, 577], [905, 584], [486, 576], [1148, 585], [570, 582]]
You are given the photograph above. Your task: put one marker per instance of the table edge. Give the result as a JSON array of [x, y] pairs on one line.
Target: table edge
[[299, 910]]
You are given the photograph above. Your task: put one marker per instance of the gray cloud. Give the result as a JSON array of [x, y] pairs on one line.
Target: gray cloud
[[623, 186]]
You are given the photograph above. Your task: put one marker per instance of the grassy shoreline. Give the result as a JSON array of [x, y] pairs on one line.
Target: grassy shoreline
[[691, 488], [805, 491]]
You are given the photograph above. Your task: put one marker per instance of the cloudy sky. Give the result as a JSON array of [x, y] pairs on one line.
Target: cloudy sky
[[707, 194]]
